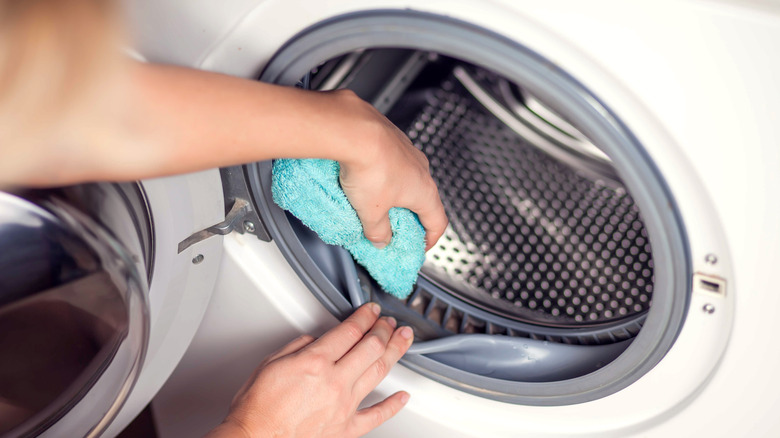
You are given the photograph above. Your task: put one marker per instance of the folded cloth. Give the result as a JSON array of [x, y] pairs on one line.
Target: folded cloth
[[310, 190]]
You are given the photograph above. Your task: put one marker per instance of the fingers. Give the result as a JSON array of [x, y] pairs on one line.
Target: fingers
[[369, 418], [368, 350], [434, 220], [432, 217], [399, 343], [371, 210], [427, 204], [376, 227], [339, 340]]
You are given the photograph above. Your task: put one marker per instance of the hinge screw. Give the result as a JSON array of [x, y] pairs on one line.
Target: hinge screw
[[249, 227]]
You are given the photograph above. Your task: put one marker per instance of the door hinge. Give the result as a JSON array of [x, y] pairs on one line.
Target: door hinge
[[241, 217]]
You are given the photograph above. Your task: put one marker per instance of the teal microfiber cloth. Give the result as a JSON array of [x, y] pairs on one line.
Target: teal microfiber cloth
[[310, 190]]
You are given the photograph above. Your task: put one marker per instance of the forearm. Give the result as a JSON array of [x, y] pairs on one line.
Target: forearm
[[197, 120], [161, 120], [201, 119], [177, 120]]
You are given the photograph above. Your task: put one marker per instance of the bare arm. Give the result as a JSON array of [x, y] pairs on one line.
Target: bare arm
[[180, 120], [187, 120]]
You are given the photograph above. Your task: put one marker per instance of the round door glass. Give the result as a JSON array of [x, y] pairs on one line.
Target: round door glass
[[73, 318]]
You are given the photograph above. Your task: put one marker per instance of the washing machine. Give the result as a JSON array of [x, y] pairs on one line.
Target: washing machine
[[610, 172], [97, 305]]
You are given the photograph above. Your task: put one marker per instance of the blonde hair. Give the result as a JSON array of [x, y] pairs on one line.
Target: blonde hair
[[54, 56]]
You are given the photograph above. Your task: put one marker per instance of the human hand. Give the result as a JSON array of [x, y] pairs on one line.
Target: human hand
[[312, 388], [386, 171]]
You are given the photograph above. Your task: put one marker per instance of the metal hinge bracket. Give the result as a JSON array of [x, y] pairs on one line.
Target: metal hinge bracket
[[241, 217]]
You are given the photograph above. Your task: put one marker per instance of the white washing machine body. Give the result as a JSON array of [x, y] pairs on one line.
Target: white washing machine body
[[180, 289], [693, 81]]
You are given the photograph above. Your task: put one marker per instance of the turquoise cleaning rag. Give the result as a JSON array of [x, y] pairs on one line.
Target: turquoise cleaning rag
[[310, 190]]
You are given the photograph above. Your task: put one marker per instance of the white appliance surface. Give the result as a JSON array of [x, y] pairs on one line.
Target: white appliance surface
[[695, 81], [180, 290]]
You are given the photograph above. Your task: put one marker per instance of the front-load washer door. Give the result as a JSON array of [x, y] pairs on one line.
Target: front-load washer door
[[74, 316]]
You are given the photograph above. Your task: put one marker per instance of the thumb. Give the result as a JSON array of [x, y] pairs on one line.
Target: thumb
[[376, 227]]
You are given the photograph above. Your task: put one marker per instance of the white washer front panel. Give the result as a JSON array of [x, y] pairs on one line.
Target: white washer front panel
[[180, 290], [694, 81]]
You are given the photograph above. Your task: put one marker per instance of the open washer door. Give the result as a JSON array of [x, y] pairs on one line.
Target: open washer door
[[74, 310], [97, 301]]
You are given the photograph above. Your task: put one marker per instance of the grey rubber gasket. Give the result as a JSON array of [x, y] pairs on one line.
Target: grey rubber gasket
[[424, 31]]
